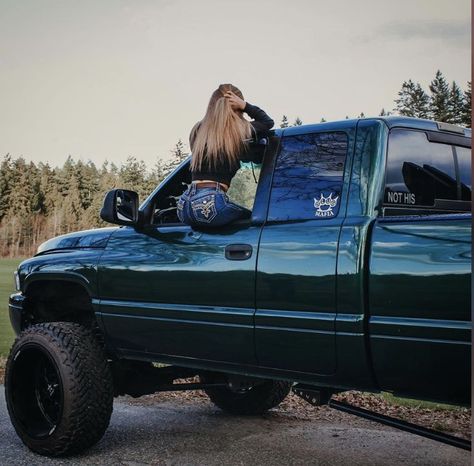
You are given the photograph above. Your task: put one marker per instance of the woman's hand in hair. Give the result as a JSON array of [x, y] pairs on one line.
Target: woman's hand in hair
[[235, 101]]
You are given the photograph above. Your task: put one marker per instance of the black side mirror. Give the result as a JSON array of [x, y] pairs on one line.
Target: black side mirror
[[120, 207]]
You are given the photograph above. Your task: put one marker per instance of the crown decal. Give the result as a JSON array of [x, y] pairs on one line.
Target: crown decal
[[327, 202]]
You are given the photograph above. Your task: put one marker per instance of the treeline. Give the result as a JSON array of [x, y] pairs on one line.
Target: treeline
[[38, 201], [443, 101]]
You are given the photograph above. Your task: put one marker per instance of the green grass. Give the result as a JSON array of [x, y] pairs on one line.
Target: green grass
[[7, 266], [411, 403]]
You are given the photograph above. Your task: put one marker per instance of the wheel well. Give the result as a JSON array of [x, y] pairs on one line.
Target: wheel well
[[58, 300]]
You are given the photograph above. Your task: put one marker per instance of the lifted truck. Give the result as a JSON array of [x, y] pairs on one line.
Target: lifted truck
[[352, 273]]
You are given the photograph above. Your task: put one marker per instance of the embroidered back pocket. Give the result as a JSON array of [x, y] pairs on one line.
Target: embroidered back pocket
[[204, 208]]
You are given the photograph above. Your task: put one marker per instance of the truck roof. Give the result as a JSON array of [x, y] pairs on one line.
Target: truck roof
[[419, 123], [390, 121]]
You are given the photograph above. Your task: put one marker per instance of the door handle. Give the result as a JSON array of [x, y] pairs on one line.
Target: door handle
[[238, 252]]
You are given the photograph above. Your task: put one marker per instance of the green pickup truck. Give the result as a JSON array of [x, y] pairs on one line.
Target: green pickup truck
[[353, 272]]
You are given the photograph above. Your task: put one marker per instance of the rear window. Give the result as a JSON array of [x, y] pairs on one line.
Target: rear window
[[426, 174], [308, 176]]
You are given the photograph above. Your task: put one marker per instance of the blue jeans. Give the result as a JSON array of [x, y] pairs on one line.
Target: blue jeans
[[208, 207]]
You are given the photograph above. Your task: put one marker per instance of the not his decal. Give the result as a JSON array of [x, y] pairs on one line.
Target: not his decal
[[395, 197]]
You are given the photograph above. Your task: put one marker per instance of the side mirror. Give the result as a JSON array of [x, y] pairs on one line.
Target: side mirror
[[121, 207]]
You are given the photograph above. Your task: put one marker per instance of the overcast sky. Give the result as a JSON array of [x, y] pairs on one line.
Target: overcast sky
[[104, 79]]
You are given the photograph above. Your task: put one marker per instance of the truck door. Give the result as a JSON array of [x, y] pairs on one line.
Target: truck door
[[170, 291], [420, 268], [296, 268]]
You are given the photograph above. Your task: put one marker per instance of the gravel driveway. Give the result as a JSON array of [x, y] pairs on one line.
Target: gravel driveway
[[174, 432]]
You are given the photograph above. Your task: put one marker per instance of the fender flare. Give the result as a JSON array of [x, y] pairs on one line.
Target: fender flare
[[58, 276]]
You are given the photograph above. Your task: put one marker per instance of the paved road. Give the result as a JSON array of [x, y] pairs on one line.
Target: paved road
[[174, 433]]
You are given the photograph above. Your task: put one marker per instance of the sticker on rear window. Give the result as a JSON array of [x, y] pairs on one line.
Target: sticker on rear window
[[324, 205], [400, 197]]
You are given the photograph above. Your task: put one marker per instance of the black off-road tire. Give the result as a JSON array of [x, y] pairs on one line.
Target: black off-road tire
[[253, 401], [58, 388]]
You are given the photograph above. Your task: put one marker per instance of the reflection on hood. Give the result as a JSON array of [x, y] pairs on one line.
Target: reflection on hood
[[95, 238]]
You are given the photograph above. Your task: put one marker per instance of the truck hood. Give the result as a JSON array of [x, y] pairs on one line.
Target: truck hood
[[95, 238]]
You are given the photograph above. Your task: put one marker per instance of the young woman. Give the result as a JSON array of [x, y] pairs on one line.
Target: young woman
[[219, 142]]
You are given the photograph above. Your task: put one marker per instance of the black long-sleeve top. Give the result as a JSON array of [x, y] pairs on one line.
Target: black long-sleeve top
[[261, 125]]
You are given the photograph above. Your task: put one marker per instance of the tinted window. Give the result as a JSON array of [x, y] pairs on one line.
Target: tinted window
[[307, 181], [420, 172]]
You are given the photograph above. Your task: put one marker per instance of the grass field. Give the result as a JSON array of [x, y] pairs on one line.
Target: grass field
[[7, 266]]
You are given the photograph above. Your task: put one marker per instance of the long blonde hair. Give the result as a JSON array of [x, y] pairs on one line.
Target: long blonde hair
[[221, 135]]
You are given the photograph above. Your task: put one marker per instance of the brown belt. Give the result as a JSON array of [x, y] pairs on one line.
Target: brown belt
[[210, 184]]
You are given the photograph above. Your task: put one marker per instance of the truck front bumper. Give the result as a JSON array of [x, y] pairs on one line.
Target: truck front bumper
[[16, 310]]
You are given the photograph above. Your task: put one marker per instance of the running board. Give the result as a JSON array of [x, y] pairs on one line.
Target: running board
[[317, 397]]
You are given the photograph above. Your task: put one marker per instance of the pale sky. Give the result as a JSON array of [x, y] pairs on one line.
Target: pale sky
[[105, 79]]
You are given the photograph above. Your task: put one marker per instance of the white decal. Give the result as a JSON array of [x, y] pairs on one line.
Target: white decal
[[395, 197], [328, 202]]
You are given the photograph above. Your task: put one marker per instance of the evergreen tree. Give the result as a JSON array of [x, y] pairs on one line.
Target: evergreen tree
[[405, 99], [466, 108], [158, 173], [65, 174], [284, 122], [87, 177], [298, 122], [178, 154], [361, 115], [132, 176], [19, 216], [159, 169], [47, 185], [420, 102], [439, 102], [71, 208], [108, 179], [6, 181], [323, 120], [455, 105], [52, 201], [37, 197], [412, 100]]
